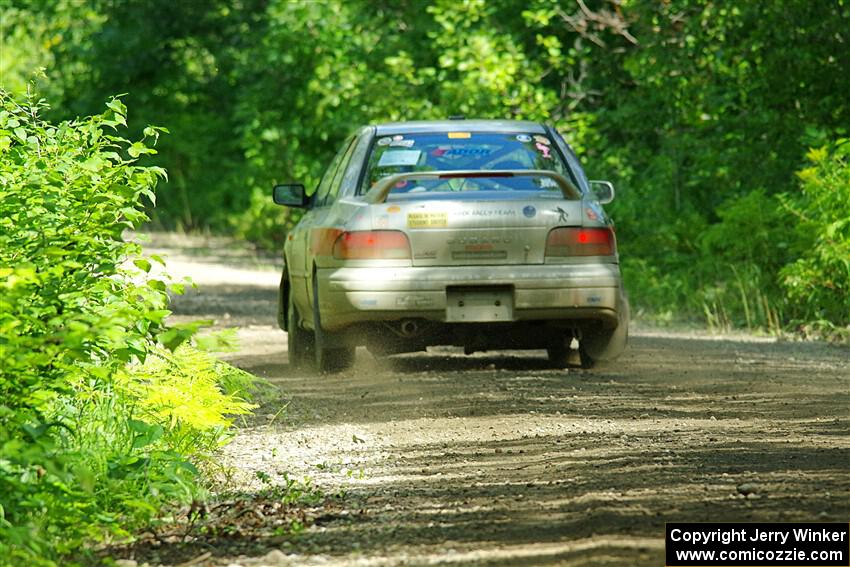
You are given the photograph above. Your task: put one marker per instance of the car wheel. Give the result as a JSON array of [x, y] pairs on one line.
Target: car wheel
[[329, 358], [558, 351], [585, 359], [604, 346], [299, 341]]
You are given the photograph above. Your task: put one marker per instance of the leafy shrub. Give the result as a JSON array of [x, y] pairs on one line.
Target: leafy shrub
[[741, 256], [818, 282], [93, 438]]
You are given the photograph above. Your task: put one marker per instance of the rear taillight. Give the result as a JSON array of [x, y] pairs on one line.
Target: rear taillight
[[372, 244], [564, 242]]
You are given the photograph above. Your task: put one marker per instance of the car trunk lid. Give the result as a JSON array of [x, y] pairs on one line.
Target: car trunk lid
[[476, 231]]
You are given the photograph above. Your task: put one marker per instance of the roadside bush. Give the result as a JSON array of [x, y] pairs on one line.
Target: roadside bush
[[771, 262], [742, 256], [93, 437], [818, 282]]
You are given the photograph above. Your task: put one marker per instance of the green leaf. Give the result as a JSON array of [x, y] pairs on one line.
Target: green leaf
[[157, 315], [138, 149], [116, 106], [93, 164], [142, 264]]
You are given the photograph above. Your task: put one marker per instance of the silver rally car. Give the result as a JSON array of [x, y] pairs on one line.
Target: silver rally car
[[476, 233]]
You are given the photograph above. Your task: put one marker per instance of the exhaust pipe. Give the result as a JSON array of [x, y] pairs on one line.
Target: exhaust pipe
[[409, 328]]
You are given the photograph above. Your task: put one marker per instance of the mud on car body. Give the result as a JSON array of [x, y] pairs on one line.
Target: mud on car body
[[476, 233]]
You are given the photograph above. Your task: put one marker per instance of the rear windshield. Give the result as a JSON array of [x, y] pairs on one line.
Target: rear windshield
[[451, 151]]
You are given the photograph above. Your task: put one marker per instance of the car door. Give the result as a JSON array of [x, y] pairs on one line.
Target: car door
[[299, 258], [324, 223]]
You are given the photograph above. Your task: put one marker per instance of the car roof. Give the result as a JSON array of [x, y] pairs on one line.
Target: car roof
[[462, 125]]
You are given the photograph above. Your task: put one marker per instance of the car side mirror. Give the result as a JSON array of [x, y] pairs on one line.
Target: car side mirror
[[290, 195], [602, 191]]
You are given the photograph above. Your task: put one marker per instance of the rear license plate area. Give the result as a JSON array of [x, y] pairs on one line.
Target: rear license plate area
[[479, 304]]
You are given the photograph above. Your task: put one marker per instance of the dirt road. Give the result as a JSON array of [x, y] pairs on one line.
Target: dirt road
[[495, 459]]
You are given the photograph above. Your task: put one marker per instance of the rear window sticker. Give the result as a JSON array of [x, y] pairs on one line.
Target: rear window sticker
[[402, 143], [398, 137], [427, 220], [595, 212], [524, 138], [437, 152], [542, 140], [459, 135], [399, 157], [547, 182], [543, 149], [384, 141], [468, 152]]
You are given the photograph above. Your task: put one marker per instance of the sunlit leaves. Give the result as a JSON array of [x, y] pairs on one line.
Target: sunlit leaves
[[70, 314]]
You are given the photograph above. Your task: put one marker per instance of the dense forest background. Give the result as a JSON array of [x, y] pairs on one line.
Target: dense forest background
[[722, 124]]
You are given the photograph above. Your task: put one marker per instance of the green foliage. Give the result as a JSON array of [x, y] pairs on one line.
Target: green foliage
[[99, 425], [818, 281]]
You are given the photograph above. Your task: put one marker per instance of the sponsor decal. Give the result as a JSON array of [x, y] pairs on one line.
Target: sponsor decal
[[402, 143], [529, 211], [467, 152], [427, 220], [398, 137], [562, 214], [477, 240], [524, 138], [399, 157], [486, 213], [384, 141], [544, 149], [393, 209], [542, 140], [459, 135], [483, 255], [414, 301]]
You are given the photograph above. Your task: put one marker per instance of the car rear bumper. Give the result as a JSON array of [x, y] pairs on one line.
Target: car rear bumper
[[535, 292]]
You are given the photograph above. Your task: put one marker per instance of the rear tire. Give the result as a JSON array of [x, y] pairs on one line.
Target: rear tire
[[329, 357], [607, 345], [299, 341], [586, 361], [559, 351]]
